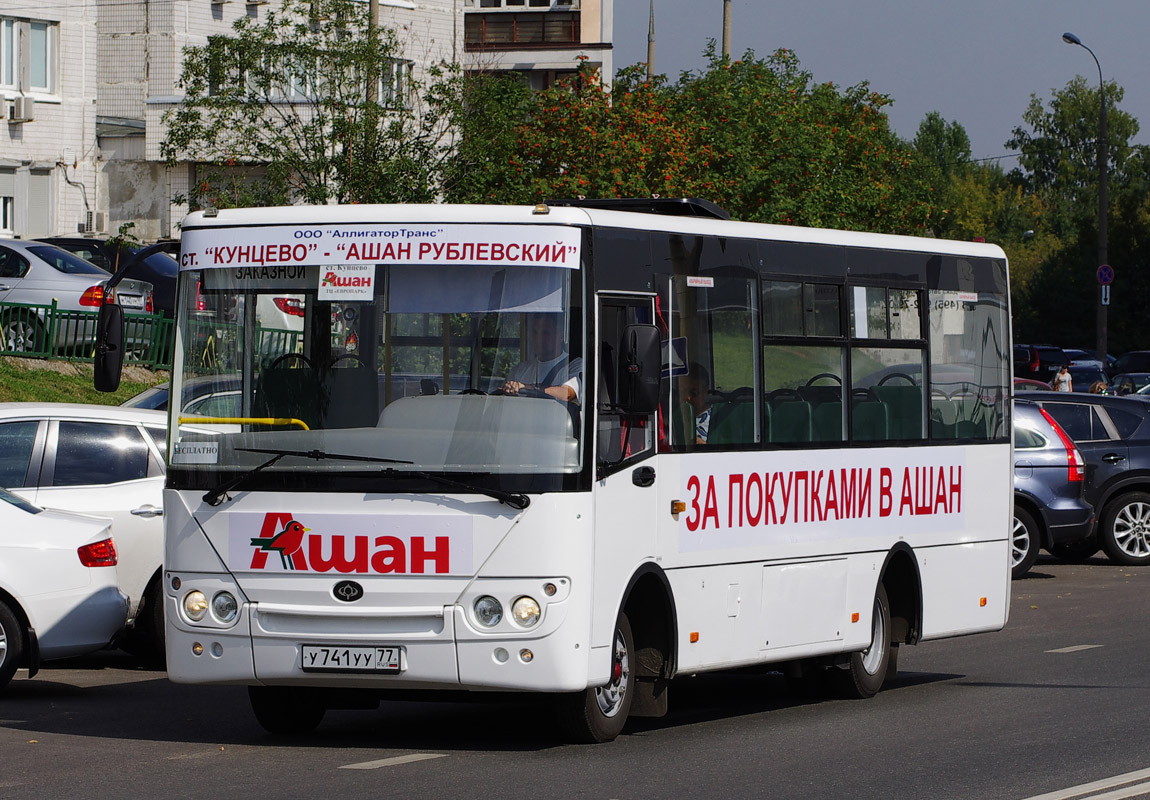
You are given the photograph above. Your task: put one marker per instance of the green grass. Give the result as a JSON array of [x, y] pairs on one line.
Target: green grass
[[26, 380]]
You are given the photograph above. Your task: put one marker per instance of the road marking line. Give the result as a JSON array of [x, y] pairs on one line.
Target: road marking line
[[1076, 648], [1106, 783], [393, 762]]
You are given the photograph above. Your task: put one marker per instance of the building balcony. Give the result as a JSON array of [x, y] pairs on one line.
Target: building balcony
[[520, 31]]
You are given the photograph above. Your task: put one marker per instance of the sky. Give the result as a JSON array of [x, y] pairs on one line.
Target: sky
[[976, 62]]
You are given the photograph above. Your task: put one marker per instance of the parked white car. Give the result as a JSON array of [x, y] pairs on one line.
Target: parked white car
[[102, 460], [58, 590]]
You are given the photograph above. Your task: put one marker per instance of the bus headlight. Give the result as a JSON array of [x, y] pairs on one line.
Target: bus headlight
[[488, 611], [195, 605], [525, 611], [224, 607]]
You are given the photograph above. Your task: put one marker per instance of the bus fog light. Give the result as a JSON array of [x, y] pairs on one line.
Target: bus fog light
[[488, 611], [197, 649], [195, 605], [224, 606], [549, 589], [526, 656], [500, 655], [525, 611]]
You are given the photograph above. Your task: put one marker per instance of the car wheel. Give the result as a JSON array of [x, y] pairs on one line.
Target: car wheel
[[23, 332], [599, 714], [868, 669], [11, 644], [286, 710], [1076, 552], [1024, 539], [1125, 531]]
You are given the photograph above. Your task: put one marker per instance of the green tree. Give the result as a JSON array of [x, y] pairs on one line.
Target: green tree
[[944, 145], [784, 149], [309, 104]]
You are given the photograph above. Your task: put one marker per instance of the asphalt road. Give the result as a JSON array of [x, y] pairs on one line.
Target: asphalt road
[[1060, 699]]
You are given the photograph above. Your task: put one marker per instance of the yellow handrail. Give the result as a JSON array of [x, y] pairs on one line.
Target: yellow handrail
[[243, 420]]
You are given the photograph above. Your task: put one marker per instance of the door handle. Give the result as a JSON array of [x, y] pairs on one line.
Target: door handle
[[147, 511], [1113, 458], [643, 476]]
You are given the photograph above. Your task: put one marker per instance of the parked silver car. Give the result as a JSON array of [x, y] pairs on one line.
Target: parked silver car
[[36, 273]]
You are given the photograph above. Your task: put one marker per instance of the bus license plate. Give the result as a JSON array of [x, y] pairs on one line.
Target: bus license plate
[[351, 659]]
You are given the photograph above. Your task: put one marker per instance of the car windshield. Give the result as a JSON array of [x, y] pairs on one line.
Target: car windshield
[[66, 262], [406, 362]]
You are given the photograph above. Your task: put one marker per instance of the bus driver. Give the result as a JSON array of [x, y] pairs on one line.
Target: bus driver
[[550, 369]]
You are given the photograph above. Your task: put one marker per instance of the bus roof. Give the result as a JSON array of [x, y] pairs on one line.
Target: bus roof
[[543, 214]]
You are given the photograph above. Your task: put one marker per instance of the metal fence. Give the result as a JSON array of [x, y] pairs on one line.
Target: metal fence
[[47, 331]]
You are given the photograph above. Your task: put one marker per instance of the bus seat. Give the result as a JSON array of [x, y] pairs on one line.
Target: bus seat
[[827, 421], [904, 406], [791, 421], [817, 395], [288, 392], [352, 394], [943, 415], [732, 423], [870, 421]]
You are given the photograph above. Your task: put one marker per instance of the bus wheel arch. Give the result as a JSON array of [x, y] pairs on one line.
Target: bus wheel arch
[[900, 575], [649, 605]]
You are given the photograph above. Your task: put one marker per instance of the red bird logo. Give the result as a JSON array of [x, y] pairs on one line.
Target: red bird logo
[[285, 542]]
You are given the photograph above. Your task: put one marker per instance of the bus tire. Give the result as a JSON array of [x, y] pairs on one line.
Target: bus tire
[[286, 710], [11, 644], [868, 668], [599, 714], [1025, 542], [1125, 529]]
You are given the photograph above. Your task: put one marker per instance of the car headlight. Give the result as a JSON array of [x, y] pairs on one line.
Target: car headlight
[[525, 611], [488, 611], [195, 605], [224, 607]]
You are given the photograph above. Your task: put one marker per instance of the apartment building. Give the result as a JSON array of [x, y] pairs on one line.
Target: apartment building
[[85, 85], [48, 158], [541, 39]]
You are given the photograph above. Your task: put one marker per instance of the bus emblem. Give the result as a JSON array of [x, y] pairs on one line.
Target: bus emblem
[[286, 542], [347, 591]]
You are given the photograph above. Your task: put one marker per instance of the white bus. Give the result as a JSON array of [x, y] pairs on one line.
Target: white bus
[[580, 449]]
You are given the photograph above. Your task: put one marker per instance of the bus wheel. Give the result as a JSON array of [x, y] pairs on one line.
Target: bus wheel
[[11, 644], [868, 669], [286, 710], [599, 714]]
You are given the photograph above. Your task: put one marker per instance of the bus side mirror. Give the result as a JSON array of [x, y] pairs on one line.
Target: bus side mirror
[[109, 356], [642, 368]]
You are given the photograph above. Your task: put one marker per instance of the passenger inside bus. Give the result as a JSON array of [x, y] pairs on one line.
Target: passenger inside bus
[[549, 368]]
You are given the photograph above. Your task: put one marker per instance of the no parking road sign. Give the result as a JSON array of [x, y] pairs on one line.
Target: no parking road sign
[[1105, 275]]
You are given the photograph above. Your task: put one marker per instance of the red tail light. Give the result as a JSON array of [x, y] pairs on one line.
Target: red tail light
[[1075, 465], [149, 304], [1035, 363], [291, 306], [200, 304], [96, 296], [98, 554]]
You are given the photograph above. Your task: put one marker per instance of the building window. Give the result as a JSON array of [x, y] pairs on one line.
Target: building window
[[31, 45], [7, 210], [395, 83]]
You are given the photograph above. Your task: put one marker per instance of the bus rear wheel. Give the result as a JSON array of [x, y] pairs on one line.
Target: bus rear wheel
[[599, 714], [869, 668], [286, 710]]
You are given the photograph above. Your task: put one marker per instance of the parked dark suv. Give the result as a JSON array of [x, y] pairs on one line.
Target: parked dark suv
[[1038, 362], [1050, 510], [1113, 434]]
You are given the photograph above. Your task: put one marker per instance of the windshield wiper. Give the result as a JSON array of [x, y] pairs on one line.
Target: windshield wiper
[[215, 496]]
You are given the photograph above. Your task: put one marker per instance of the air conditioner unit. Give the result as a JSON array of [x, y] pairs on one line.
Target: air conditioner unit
[[93, 222], [257, 2], [23, 110]]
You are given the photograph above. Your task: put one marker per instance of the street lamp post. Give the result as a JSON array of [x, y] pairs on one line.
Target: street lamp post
[[1103, 161]]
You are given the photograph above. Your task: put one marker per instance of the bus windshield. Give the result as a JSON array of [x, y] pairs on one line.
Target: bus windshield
[[470, 368]]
